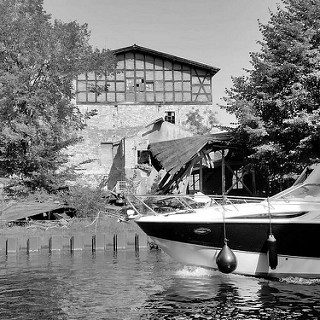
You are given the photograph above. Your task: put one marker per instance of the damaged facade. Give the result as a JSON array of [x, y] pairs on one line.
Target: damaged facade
[[209, 164], [147, 85], [132, 162]]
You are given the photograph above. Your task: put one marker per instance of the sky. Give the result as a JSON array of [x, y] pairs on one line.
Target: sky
[[220, 33]]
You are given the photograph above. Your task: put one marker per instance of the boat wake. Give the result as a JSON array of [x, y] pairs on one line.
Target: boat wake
[[196, 272], [300, 281]]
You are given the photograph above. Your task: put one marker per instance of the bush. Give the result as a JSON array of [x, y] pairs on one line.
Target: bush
[[85, 200]]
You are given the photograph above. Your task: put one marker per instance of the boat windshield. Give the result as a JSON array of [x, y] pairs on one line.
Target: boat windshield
[[306, 191]]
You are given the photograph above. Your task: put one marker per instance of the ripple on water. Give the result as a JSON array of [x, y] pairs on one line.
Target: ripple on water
[[144, 285], [300, 281]]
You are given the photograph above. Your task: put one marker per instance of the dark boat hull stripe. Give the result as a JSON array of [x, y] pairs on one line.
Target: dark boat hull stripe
[[292, 239]]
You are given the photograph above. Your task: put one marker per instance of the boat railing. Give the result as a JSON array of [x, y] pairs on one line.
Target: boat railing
[[174, 204], [168, 204]]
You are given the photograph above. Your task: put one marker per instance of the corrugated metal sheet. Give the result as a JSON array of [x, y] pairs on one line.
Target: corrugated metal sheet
[[22, 210]]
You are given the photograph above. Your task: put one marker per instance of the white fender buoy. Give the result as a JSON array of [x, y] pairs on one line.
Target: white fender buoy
[[272, 251], [226, 260]]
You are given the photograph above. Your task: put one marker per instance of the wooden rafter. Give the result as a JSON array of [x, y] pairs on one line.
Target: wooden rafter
[[238, 179]]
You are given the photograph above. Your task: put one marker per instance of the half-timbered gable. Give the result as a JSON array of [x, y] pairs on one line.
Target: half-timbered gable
[[149, 77]]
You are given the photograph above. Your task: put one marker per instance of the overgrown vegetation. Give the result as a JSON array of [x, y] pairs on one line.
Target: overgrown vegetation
[[277, 102], [197, 124], [86, 201], [39, 59]]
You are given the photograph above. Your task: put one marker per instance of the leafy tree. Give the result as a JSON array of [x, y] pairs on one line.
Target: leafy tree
[[277, 101], [197, 123], [39, 59]]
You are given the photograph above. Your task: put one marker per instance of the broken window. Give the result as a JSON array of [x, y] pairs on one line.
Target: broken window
[[139, 84], [170, 117], [194, 182], [149, 86], [130, 84], [143, 157]]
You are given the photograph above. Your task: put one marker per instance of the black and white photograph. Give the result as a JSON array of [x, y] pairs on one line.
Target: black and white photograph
[[159, 159]]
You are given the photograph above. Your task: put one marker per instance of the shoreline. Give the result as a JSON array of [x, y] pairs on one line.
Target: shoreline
[[104, 233]]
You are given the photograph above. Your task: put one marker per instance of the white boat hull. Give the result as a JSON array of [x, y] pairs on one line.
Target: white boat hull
[[248, 263], [287, 227]]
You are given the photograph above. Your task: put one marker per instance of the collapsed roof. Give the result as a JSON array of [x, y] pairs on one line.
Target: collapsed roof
[[179, 156]]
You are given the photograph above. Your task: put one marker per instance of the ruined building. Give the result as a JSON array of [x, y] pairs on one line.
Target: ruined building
[[146, 100]]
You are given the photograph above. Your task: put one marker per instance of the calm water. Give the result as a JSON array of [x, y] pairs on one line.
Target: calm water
[[144, 285]]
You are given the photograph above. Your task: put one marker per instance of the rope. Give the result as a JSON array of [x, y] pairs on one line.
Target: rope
[[269, 214], [224, 225]]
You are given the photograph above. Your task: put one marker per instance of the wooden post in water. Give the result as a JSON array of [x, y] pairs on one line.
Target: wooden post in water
[[33, 244], [115, 242], [11, 245], [55, 243], [87, 242], [76, 243], [136, 242], [98, 242]]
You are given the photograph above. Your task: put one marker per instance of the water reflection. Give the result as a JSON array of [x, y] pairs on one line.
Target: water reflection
[[201, 294], [144, 285], [24, 295]]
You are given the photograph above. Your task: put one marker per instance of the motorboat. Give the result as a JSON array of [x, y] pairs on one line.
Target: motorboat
[[273, 237]]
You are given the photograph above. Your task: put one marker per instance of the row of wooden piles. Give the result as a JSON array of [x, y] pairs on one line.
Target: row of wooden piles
[[80, 242]]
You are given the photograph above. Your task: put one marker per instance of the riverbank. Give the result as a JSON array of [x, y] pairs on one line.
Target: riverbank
[[102, 233]]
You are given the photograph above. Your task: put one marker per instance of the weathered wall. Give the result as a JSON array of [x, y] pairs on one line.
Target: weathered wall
[[125, 115], [112, 123], [159, 131]]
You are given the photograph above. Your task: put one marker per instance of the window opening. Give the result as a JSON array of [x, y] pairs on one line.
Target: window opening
[[149, 86], [194, 182], [139, 84], [170, 117], [130, 84], [143, 157]]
